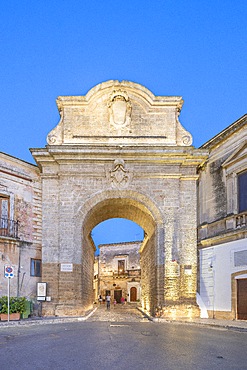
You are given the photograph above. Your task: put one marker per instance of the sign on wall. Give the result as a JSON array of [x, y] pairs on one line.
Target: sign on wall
[[66, 267], [41, 291]]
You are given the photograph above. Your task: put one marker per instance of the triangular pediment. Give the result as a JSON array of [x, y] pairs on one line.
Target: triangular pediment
[[238, 155]]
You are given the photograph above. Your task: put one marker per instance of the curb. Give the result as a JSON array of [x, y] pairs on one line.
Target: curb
[[215, 324], [44, 321]]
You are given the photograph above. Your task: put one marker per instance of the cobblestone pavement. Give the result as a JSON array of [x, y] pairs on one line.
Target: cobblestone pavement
[[120, 313]]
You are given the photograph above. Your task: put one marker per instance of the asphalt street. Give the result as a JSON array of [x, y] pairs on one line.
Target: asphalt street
[[105, 341]]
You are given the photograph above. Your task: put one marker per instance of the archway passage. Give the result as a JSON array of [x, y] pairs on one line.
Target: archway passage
[[117, 259], [138, 212], [116, 230]]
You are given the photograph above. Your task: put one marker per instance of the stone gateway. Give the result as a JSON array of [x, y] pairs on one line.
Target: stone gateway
[[120, 151]]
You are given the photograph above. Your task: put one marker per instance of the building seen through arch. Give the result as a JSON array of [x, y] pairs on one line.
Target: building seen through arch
[[118, 272]]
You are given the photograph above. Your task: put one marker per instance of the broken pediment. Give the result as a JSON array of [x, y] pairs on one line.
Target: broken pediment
[[116, 112]]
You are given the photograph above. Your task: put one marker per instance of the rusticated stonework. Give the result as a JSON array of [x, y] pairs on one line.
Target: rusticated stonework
[[120, 151]]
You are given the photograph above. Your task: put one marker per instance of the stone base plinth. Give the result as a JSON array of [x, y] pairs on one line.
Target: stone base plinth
[[67, 310], [52, 309], [221, 315], [179, 311]]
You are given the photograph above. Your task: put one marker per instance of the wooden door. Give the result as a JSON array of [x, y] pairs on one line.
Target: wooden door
[[242, 299], [118, 295], [133, 294]]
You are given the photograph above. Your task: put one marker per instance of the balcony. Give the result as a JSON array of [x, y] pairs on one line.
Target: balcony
[[8, 228], [229, 228], [127, 273]]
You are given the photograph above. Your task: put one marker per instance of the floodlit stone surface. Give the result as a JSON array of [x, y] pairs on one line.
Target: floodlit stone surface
[[120, 151]]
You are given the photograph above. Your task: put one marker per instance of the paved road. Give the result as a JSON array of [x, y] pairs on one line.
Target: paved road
[[117, 313], [120, 345]]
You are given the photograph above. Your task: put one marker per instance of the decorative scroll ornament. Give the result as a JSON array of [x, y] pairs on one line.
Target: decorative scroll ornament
[[184, 138], [119, 109], [119, 176], [55, 136]]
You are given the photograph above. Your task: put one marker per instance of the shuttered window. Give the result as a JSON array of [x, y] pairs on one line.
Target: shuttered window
[[4, 207], [121, 267], [242, 191], [4, 215]]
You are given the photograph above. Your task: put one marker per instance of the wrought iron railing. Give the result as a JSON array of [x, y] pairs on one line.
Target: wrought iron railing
[[8, 228], [128, 273]]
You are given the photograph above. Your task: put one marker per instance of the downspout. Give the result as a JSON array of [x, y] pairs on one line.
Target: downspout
[[19, 269]]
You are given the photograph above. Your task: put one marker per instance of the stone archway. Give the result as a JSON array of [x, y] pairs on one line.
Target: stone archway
[[138, 208], [120, 151]]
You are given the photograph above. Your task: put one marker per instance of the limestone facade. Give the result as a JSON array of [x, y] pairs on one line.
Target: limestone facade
[[120, 271], [222, 230], [120, 151], [20, 226]]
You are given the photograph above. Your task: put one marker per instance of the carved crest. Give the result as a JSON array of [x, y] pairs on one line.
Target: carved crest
[[119, 175], [119, 109]]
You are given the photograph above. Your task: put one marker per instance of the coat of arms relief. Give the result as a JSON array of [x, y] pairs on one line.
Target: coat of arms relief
[[119, 109], [119, 176]]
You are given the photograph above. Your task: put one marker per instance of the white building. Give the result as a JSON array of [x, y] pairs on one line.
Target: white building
[[222, 231]]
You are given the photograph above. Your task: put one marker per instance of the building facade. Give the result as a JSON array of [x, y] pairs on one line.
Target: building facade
[[120, 271], [20, 226], [222, 231], [120, 151]]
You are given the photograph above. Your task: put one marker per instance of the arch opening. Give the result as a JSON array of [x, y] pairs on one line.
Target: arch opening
[[142, 274], [117, 260]]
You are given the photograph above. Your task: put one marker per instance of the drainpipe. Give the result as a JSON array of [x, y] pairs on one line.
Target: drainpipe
[[19, 269]]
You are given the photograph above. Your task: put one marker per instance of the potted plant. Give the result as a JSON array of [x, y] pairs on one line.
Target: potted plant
[[16, 307]]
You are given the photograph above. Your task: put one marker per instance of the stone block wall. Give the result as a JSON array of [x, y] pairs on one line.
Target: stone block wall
[[120, 151], [148, 278]]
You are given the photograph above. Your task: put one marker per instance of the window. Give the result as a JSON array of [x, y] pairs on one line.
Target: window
[[121, 267], [242, 192], [4, 215], [35, 267], [4, 207]]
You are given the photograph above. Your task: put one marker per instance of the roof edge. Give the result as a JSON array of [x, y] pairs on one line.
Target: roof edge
[[235, 126]]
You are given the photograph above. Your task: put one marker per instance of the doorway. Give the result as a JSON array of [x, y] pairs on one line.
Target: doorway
[[118, 295], [242, 299], [133, 294]]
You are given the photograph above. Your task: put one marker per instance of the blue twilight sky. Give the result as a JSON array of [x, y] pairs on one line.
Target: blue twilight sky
[[196, 49]]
